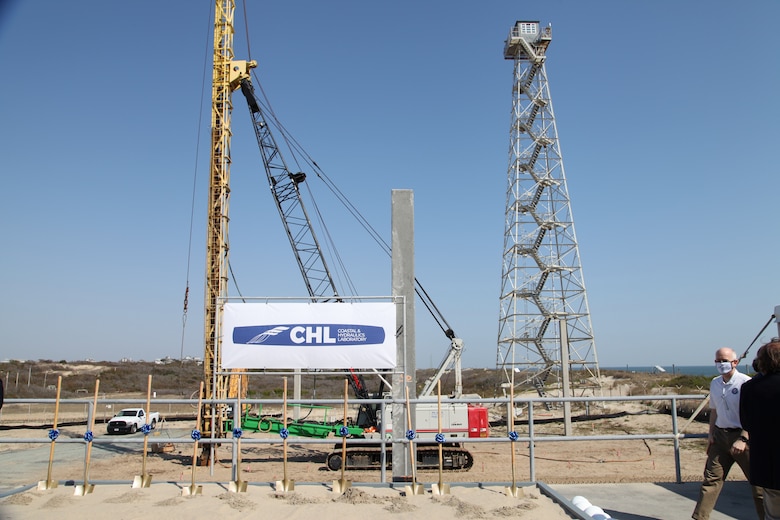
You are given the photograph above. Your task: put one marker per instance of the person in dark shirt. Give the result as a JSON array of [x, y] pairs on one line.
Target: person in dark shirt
[[760, 416]]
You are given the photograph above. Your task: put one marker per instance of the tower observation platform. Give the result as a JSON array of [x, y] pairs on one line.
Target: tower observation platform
[[527, 41]]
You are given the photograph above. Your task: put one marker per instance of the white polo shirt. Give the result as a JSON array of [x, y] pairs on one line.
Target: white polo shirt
[[724, 398]]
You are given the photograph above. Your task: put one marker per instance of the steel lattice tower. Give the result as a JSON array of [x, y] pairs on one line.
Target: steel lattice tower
[[544, 323]]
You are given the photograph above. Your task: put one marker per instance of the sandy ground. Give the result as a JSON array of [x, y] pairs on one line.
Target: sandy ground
[[476, 493], [304, 502]]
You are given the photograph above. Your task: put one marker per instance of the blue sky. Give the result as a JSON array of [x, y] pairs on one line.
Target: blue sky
[[667, 114]]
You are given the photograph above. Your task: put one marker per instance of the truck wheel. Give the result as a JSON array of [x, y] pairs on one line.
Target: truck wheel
[[133, 428], [154, 424]]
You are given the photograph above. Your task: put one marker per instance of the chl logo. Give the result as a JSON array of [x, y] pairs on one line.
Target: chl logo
[[309, 335]]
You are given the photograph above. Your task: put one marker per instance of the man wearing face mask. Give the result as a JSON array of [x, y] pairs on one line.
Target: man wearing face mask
[[727, 441]]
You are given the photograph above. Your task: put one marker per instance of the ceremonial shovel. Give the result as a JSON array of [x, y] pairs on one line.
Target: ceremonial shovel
[[341, 485], [414, 488], [513, 490], [86, 487], [440, 489], [144, 480], [285, 484], [49, 483], [193, 489], [238, 485]]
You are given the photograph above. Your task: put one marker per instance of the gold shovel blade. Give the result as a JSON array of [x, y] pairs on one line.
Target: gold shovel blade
[[285, 485], [83, 489], [341, 485], [47, 484], [440, 489], [414, 489], [514, 491], [142, 481], [192, 490], [237, 486]]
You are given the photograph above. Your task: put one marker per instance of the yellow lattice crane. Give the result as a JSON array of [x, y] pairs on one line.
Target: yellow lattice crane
[[227, 75]]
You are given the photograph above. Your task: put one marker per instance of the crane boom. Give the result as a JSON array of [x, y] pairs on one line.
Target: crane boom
[[451, 361], [285, 186], [316, 275]]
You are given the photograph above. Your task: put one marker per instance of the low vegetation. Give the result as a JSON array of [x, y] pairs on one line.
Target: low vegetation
[[38, 379], [25, 379]]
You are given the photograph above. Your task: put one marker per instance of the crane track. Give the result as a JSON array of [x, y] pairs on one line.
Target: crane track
[[453, 458]]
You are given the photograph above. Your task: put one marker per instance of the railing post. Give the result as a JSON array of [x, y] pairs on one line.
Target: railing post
[[237, 418], [383, 445], [531, 460], [677, 469]]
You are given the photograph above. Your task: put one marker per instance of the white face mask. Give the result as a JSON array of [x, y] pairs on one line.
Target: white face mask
[[724, 367]]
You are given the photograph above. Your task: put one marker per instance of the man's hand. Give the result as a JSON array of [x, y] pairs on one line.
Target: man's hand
[[739, 447]]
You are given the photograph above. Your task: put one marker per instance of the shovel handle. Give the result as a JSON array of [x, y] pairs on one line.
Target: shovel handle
[[411, 441], [91, 428], [146, 422], [197, 425], [57, 402], [54, 427]]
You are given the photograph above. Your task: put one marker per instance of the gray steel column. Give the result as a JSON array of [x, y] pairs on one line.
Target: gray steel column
[[403, 285], [565, 381]]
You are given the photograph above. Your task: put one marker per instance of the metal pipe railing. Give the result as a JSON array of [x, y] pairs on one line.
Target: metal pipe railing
[[398, 437]]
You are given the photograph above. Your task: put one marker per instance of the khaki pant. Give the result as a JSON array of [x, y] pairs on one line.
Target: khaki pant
[[719, 462], [772, 504]]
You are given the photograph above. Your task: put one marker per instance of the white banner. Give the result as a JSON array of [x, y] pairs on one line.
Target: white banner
[[309, 335]]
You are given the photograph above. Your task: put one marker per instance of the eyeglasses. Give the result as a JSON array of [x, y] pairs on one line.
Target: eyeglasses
[[725, 360]]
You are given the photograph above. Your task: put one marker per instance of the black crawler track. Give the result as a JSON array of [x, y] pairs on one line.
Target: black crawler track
[[454, 458]]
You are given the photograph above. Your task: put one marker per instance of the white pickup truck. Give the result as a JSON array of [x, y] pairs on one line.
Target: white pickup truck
[[130, 420]]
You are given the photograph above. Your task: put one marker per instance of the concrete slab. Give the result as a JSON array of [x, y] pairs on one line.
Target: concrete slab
[[661, 501]]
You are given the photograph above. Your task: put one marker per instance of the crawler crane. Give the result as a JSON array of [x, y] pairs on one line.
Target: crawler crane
[[230, 75]]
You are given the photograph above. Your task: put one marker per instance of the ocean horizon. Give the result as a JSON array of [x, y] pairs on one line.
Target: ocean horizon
[[676, 370]]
